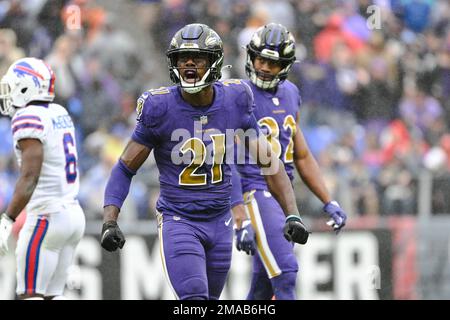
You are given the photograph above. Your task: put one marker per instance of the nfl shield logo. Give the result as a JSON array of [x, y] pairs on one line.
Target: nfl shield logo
[[204, 119], [276, 101]]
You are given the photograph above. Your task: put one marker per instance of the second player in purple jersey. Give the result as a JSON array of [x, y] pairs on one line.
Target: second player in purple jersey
[[188, 127], [270, 55], [276, 115]]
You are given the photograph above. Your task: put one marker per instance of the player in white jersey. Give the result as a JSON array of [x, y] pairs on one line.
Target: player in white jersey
[[44, 142]]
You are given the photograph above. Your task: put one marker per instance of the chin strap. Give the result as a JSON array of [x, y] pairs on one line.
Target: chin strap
[[192, 90]]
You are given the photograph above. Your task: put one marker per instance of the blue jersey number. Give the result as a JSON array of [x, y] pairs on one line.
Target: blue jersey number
[[71, 159]]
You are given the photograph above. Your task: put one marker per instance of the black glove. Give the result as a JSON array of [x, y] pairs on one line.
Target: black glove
[[112, 236], [294, 230]]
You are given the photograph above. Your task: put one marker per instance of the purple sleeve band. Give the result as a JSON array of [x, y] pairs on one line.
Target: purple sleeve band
[[253, 124], [236, 189], [118, 185], [143, 135]]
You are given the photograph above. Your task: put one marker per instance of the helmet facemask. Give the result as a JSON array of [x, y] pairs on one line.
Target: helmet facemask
[[255, 76], [212, 67], [6, 105], [191, 40], [271, 42]]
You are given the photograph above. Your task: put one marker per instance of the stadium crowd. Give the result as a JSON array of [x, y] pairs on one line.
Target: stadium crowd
[[376, 93]]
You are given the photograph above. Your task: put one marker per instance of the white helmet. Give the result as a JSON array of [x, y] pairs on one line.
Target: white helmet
[[27, 80]]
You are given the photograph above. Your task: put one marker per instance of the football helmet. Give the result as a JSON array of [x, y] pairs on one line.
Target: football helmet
[[27, 80], [272, 41], [200, 39]]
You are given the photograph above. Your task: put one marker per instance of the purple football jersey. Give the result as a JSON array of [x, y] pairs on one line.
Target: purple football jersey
[[190, 145], [276, 115]]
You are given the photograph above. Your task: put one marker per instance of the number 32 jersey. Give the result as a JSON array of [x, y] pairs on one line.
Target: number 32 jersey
[[58, 182], [276, 115]]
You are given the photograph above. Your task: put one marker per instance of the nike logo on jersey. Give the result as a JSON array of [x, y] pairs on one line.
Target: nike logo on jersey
[[227, 223]]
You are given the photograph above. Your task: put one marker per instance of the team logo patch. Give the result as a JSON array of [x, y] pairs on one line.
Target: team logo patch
[[21, 69], [174, 43], [204, 119], [256, 40], [211, 40], [289, 49]]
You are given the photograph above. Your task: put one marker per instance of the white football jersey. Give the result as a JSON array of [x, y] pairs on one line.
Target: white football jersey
[[59, 179]]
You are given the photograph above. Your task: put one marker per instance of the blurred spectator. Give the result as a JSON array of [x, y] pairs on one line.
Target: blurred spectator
[[419, 109], [416, 14], [278, 12], [374, 99], [115, 49], [100, 96], [257, 19], [333, 35], [173, 16], [8, 50], [50, 16], [363, 190], [68, 67], [306, 12], [397, 189]]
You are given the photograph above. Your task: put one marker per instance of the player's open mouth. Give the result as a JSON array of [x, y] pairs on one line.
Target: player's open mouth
[[265, 76], [191, 75]]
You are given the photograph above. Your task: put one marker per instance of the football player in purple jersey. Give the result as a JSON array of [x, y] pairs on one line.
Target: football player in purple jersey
[[187, 126], [270, 55]]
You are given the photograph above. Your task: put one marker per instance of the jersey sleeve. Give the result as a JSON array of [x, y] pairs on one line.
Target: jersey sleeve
[[29, 124], [236, 187], [295, 93], [246, 103], [299, 97], [148, 114]]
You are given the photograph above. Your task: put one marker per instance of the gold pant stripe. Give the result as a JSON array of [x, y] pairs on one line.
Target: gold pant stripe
[[161, 252], [267, 258]]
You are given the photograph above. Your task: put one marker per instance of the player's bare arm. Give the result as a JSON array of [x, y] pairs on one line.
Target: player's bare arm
[[309, 171], [30, 169], [239, 215], [244, 233], [281, 188], [308, 168], [275, 175]]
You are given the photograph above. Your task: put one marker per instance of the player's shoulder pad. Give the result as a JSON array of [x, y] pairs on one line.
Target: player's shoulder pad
[[30, 122], [30, 110], [292, 87], [35, 113], [152, 105], [243, 95], [294, 91]]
